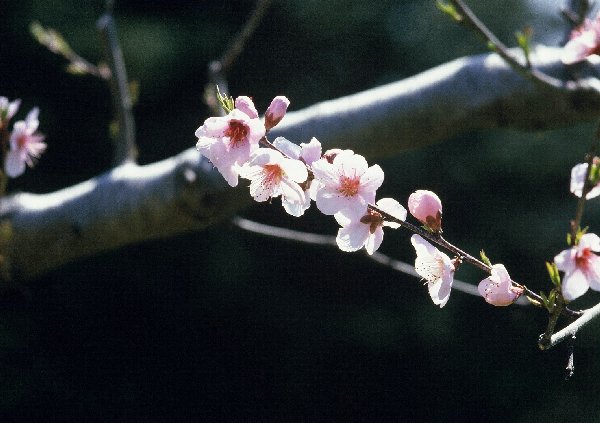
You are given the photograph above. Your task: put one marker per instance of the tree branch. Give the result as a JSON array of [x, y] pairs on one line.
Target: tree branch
[[134, 203]]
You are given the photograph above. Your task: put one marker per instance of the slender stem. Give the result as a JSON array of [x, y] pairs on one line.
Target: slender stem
[[552, 320], [218, 69], [125, 148]]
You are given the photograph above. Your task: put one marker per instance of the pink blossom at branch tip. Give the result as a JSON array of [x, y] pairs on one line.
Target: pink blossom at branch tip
[[426, 207], [7, 110], [229, 141], [578, 174], [347, 185], [584, 42], [498, 289], [276, 111], [26, 145], [581, 267], [273, 175], [246, 105], [368, 230], [436, 268], [307, 153]]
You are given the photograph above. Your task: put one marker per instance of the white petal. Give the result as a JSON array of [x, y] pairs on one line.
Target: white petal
[[394, 208], [14, 164], [374, 240], [287, 147], [574, 285], [325, 172], [350, 164], [311, 152], [591, 241], [353, 237], [565, 261], [372, 179], [422, 247], [294, 169]]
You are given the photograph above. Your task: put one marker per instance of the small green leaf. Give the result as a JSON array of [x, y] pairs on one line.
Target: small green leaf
[[568, 239], [449, 10], [553, 273], [484, 258], [226, 102], [524, 41]]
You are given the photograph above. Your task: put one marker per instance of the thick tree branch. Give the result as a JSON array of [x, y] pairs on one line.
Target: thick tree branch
[[134, 203]]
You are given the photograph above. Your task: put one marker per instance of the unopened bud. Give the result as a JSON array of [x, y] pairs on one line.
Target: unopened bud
[[276, 111], [426, 206]]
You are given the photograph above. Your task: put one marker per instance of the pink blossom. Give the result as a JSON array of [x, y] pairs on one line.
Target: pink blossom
[[581, 267], [229, 141], [584, 42], [273, 175], [8, 110], [26, 145], [307, 153], [426, 206], [368, 230], [346, 185], [578, 174], [498, 289], [436, 268], [276, 111], [246, 105]]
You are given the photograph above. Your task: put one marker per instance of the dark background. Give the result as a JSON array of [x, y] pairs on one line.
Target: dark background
[[224, 325]]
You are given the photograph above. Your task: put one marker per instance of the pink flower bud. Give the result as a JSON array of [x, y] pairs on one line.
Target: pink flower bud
[[498, 289], [246, 105], [276, 111], [427, 208]]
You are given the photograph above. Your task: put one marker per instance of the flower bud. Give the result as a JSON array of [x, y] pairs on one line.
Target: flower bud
[[246, 105], [427, 208], [276, 111]]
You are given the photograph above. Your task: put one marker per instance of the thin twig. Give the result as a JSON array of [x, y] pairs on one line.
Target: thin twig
[[218, 69], [125, 147]]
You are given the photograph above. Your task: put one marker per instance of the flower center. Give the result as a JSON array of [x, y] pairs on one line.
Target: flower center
[[22, 141], [582, 258], [237, 132], [349, 186], [272, 174]]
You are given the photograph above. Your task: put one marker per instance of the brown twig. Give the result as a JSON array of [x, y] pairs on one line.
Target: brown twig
[[218, 69], [125, 147]]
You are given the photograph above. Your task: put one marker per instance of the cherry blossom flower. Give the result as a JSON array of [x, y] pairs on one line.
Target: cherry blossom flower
[[436, 268], [368, 230], [307, 153], [346, 185], [26, 145], [584, 42], [426, 206], [498, 289], [581, 267], [229, 141], [276, 111], [272, 175], [578, 174], [7, 110]]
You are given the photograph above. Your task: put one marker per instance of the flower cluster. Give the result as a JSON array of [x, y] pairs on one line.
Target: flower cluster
[[341, 184], [23, 145]]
